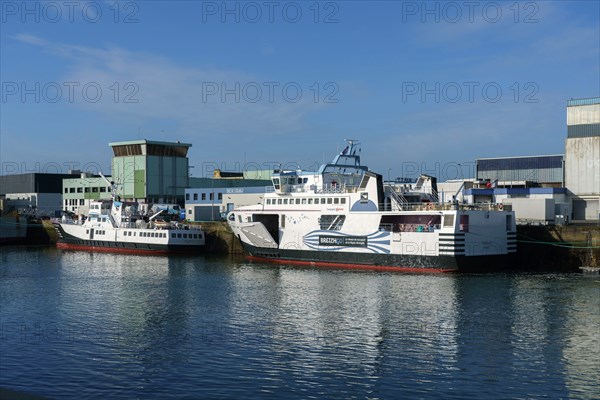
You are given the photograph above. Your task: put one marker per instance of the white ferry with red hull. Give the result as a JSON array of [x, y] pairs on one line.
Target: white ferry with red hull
[[115, 226], [345, 216]]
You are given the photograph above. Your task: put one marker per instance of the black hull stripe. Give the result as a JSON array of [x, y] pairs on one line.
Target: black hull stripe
[[453, 261]]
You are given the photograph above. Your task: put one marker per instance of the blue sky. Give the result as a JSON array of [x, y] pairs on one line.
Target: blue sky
[[423, 85]]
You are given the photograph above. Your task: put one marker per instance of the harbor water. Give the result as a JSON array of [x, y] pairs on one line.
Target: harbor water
[[92, 325]]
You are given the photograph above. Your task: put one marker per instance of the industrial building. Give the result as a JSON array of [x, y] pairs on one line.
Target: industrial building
[[77, 193], [39, 193], [149, 171], [209, 198], [544, 171], [582, 157]]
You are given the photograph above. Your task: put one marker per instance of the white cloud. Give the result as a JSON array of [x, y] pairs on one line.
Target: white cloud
[[139, 87]]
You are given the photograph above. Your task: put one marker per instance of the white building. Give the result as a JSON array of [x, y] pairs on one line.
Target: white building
[[213, 198], [582, 157]]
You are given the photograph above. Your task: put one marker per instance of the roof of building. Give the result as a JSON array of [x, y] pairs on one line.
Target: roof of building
[[583, 102], [208, 183], [146, 141]]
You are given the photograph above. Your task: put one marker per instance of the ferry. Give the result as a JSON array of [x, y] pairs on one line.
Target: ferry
[[346, 216], [116, 226]]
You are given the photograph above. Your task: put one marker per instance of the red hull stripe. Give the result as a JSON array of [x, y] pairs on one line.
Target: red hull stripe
[[70, 246], [325, 264]]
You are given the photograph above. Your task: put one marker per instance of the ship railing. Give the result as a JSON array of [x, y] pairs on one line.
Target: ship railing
[[419, 228], [335, 189], [430, 206]]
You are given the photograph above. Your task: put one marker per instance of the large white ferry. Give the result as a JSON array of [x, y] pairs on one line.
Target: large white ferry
[[116, 226], [345, 216]]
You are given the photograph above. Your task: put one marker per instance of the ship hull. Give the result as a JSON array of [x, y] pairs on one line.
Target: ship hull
[[70, 242], [381, 262]]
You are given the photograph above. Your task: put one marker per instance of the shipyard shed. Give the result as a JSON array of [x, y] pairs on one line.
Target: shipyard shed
[[544, 170], [39, 191]]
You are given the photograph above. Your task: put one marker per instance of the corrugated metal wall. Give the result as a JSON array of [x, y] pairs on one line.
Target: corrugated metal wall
[[543, 169]]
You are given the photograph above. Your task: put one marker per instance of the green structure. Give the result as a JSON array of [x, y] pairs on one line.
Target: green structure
[[149, 171], [79, 192]]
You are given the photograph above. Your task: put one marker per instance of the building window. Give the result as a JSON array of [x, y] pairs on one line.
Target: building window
[[66, 190], [220, 196], [203, 196], [66, 202], [94, 190], [87, 190], [102, 189], [71, 190], [81, 202], [212, 196], [187, 196], [196, 196]]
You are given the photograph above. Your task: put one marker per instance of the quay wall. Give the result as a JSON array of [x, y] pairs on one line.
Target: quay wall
[[558, 248]]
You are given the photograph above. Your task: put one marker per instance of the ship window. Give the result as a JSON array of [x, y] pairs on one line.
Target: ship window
[[87, 231], [187, 196], [329, 200], [343, 200], [134, 233], [297, 201], [172, 236], [239, 218], [323, 200], [336, 201], [179, 236], [310, 201], [448, 221], [303, 201], [285, 201], [508, 223], [305, 180], [268, 201], [278, 201], [332, 222]]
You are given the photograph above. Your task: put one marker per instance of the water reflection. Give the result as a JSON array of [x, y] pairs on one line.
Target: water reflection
[[84, 324]]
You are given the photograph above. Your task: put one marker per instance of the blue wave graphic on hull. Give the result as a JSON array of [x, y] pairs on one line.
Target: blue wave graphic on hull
[[376, 242]]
